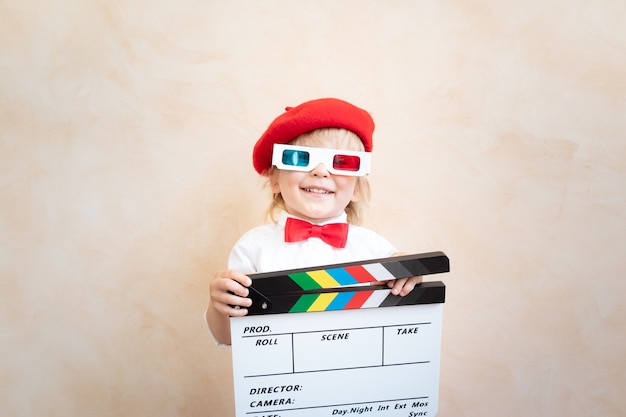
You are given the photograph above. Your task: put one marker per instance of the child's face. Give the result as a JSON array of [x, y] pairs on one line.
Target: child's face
[[316, 195]]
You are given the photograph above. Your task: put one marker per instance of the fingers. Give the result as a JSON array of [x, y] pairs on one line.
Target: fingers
[[231, 304], [229, 293], [403, 286], [230, 310]]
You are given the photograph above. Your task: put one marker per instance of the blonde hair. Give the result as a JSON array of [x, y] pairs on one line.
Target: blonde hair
[[329, 138]]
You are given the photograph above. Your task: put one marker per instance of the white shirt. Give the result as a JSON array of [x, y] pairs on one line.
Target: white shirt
[[263, 248]]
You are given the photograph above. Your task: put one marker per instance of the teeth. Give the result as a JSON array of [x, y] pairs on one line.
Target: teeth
[[317, 191]]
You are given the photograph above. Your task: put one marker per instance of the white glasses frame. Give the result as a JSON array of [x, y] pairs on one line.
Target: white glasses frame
[[321, 156]]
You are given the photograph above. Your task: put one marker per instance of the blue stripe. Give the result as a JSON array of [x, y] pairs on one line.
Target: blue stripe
[[342, 276], [340, 300]]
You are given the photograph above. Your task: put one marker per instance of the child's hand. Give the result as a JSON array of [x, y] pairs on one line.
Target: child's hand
[[229, 293], [403, 286]]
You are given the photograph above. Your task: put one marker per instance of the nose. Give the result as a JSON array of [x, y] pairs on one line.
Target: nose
[[320, 171]]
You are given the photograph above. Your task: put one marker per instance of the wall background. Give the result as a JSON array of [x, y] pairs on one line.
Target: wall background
[[125, 136]]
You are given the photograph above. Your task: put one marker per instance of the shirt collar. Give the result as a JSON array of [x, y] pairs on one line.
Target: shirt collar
[[282, 218]]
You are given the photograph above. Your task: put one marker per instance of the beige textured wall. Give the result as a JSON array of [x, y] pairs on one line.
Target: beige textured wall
[[125, 177]]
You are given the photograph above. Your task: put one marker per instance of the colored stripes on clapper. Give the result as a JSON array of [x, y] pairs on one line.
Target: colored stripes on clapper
[[345, 300], [338, 277], [345, 286], [341, 277]]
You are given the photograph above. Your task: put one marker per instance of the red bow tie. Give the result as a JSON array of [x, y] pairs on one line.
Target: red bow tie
[[335, 234]]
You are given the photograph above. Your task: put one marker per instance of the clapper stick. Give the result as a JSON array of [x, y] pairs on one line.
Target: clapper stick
[[347, 286]]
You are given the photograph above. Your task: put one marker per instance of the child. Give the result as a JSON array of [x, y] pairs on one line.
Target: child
[[316, 158]]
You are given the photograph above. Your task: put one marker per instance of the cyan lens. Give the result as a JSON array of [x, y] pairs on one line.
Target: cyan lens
[[295, 158]]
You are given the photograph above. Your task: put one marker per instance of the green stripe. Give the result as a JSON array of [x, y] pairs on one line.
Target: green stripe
[[303, 303], [305, 281]]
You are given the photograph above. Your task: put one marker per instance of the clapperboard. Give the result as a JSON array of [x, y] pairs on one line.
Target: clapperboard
[[330, 340]]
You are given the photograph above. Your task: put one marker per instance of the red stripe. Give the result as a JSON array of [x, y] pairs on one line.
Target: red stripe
[[360, 274], [359, 298]]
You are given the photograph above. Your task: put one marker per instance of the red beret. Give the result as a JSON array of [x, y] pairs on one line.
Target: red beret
[[308, 116]]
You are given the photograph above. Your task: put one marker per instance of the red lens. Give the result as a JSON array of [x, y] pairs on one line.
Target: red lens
[[346, 162]]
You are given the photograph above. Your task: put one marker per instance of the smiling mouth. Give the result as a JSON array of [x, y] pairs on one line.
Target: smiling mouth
[[317, 191]]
